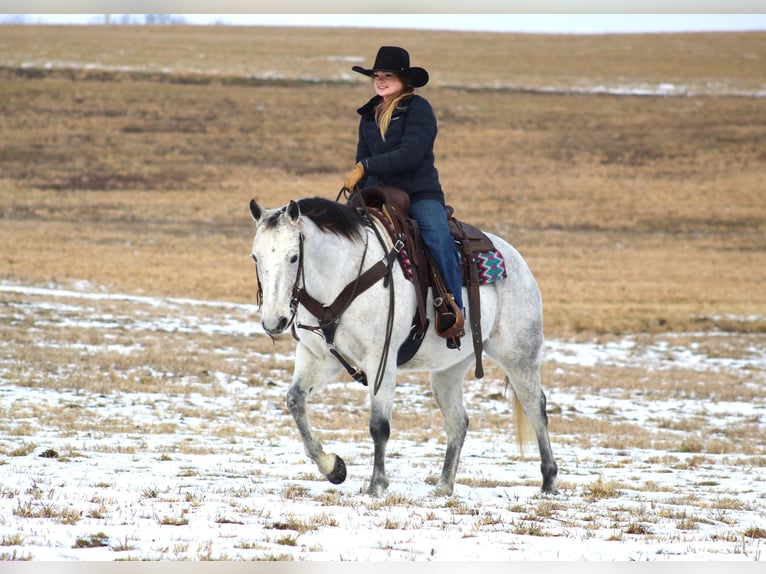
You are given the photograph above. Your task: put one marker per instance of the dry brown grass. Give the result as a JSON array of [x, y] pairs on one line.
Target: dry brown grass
[[635, 213], [698, 60]]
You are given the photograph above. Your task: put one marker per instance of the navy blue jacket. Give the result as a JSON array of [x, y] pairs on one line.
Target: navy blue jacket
[[406, 158]]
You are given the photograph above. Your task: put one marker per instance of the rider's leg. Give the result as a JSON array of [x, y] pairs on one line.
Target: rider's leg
[[432, 221]]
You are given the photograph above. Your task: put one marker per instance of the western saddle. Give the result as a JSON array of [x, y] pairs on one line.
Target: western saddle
[[391, 206]]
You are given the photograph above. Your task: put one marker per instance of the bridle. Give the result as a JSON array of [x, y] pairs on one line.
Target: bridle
[[329, 316]]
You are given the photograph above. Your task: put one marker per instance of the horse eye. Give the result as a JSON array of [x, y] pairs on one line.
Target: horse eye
[[293, 259]]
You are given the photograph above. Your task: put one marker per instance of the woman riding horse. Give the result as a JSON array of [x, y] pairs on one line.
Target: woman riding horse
[[397, 130]]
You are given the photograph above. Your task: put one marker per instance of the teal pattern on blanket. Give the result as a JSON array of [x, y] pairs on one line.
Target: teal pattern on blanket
[[491, 266]]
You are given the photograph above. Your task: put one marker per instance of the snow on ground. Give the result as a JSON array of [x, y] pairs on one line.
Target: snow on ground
[[659, 89], [213, 468]]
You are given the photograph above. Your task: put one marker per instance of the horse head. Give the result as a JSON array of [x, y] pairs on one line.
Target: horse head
[[276, 252]]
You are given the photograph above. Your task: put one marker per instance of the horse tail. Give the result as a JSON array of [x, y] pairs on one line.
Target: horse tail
[[525, 433]]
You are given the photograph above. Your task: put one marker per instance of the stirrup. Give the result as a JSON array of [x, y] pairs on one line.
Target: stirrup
[[450, 321], [453, 343]]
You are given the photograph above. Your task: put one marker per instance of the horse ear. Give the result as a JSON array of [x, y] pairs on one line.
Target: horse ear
[[256, 211], [293, 211]]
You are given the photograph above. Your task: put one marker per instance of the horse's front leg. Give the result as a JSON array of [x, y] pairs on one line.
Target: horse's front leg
[[310, 374], [381, 406], [447, 387]]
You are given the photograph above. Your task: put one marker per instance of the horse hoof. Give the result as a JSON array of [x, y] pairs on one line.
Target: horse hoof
[[338, 473], [442, 490], [377, 490], [549, 488], [378, 485]]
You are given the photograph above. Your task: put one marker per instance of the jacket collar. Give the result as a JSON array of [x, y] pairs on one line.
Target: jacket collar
[[369, 107]]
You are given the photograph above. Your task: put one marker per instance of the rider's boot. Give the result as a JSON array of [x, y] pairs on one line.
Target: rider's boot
[[450, 323]]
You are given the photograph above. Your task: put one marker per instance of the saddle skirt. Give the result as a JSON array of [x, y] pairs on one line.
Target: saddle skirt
[[480, 262]]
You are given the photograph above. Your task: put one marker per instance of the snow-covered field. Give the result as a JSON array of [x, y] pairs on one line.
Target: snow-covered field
[[145, 428]]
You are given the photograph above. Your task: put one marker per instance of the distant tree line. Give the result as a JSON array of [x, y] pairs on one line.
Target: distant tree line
[[118, 19], [148, 19]]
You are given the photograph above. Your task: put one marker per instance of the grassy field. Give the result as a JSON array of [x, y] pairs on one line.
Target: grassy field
[[128, 157]]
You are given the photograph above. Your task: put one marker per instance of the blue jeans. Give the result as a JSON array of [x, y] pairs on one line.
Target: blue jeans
[[432, 220]]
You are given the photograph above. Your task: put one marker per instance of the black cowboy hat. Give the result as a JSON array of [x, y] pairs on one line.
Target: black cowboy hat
[[397, 60]]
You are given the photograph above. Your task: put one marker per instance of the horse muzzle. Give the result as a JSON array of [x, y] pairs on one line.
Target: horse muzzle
[[275, 326]]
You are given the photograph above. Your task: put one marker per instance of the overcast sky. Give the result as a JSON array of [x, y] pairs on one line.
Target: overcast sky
[[539, 23]]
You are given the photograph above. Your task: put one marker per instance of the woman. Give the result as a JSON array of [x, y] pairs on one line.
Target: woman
[[397, 130]]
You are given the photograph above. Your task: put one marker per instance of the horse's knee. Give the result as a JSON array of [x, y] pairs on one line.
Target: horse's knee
[[380, 429], [296, 400], [457, 427]]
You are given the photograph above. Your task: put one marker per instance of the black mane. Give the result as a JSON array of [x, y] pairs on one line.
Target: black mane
[[330, 216]]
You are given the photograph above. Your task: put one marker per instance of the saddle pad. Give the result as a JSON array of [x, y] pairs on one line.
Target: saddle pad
[[491, 266]]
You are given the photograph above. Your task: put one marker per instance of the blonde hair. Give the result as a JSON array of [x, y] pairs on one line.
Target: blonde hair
[[383, 113]]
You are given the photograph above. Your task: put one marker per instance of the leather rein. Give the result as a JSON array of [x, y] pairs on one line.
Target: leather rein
[[329, 316]]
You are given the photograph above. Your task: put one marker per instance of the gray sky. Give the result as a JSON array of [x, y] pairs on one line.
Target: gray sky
[[536, 23]]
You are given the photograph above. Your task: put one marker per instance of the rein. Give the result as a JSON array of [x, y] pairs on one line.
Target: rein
[[329, 316]]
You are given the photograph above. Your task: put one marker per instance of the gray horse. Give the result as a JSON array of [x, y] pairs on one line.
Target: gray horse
[[315, 248]]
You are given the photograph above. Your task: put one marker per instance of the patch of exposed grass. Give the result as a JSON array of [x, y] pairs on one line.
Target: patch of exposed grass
[[15, 556], [529, 529], [271, 557], [29, 509], [295, 491], [755, 532], [457, 506], [92, 541], [287, 540], [12, 540], [637, 528], [171, 520], [23, 449], [601, 489]]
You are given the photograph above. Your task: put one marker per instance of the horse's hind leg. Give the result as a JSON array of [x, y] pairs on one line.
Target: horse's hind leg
[[522, 366], [448, 392], [527, 387]]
